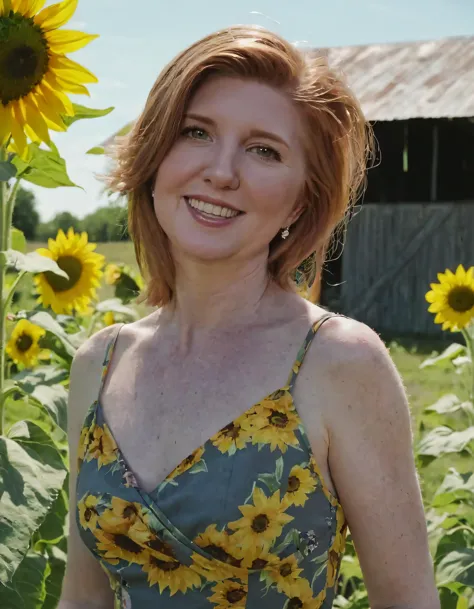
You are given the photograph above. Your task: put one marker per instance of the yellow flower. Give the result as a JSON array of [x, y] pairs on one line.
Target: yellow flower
[[258, 559], [170, 574], [109, 318], [229, 595], [191, 460], [452, 299], [88, 514], [301, 595], [102, 447], [284, 573], [112, 274], [77, 258], [23, 346], [219, 545], [114, 547], [231, 438], [83, 444], [121, 516], [142, 534], [36, 75], [337, 548], [261, 523], [301, 483], [273, 421]]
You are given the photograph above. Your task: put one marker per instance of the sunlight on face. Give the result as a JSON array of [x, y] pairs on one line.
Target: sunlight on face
[[232, 179]]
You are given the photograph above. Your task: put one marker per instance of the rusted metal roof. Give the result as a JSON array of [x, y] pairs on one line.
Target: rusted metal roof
[[432, 79]]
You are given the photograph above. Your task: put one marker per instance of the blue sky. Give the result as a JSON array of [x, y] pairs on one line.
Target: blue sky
[[137, 38]]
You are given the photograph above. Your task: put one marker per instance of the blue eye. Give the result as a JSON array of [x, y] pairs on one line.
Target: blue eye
[[196, 133], [267, 153]]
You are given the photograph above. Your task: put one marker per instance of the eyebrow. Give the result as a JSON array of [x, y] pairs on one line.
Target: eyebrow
[[253, 132]]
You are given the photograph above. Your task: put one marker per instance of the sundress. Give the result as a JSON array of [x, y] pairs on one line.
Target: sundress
[[245, 521]]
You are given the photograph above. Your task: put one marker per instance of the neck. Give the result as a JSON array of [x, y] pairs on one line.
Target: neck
[[210, 297]]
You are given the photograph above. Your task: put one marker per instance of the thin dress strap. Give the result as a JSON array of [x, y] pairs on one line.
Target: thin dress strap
[[305, 346], [109, 351]]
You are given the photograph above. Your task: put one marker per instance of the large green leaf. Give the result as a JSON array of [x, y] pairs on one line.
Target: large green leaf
[[18, 240], [115, 305], [32, 263], [32, 473], [443, 440], [48, 323], [455, 487], [7, 171], [81, 112], [44, 168], [449, 404], [28, 587], [42, 375], [54, 399], [53, 528], [454, 350], [57, 562], [457, 566]]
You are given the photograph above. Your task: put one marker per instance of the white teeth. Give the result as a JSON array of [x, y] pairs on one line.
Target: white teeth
[[212, 210]]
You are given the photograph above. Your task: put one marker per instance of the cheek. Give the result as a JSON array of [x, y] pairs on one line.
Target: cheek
[[276, 192]]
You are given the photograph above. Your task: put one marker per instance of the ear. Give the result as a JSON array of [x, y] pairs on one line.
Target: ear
[[295, 214]]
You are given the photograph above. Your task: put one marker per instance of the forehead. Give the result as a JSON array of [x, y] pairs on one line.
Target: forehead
[[247, 103]]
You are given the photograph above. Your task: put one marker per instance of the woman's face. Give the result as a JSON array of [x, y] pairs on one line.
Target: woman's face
[[231, 181]]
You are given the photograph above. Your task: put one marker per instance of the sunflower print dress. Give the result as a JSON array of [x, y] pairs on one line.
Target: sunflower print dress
[[246, 521]]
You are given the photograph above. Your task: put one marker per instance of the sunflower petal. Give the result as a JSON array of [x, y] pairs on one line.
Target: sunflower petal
[[33, 7], [68, 41], [50, 113], [56, 15], [67, 68], [34, 119], [72, 87], [58, 101], [17, 126], [470, 275], [5, 123]]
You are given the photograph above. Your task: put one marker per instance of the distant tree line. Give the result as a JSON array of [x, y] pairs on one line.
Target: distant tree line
[[107, 223]]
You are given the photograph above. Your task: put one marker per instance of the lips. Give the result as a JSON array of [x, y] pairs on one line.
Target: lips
[[211, 212]]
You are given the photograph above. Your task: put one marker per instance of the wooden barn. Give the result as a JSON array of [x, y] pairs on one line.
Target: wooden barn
[[417, 215]]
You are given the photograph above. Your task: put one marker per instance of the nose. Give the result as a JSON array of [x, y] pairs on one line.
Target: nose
[[221, 170]]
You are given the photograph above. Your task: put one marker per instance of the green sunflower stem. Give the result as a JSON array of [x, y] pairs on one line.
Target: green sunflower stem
[[469, 338], [9, 207], [3, 225]]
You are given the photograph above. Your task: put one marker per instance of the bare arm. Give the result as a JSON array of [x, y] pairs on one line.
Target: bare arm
[[372, 465], [85, 585]]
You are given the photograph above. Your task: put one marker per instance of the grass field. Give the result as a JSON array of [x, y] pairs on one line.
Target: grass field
[[423, 387]]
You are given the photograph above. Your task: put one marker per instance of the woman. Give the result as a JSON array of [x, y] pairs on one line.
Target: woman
[[241, 166]]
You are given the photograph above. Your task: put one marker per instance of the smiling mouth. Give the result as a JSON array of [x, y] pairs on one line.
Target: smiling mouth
[[211, 210]]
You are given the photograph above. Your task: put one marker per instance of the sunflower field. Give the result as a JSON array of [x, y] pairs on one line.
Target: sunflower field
[[50, 305]]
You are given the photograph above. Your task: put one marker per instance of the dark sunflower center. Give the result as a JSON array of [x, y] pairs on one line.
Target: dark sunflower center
[[88, 514], [235, 595], [24, 342], [461, 299], [164, 565], [279, 419], [124, 542], [24, 57], [231, 431], [285, 570], [293, 484], [130, 511], [160, 546], [260, 523], [72, 266], [295, 603], [259, 564]]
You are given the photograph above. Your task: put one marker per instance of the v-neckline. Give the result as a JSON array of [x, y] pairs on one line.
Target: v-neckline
[[123, 462]]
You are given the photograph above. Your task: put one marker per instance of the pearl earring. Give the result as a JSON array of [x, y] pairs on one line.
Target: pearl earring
[[285, 232]]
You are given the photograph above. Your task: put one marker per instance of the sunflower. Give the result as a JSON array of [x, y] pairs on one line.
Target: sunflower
[[231, 438], [77, 258], [227, 556], [88, 514], [114, 547], [261, 523], [35, 74], [109, 318], [259, 559], [285, 572], [189, 462], [112, 274], [452, 299], [273, 421], [121, 516], [170, 574], [336, 549], [23, 346], [102, 446], [229, 595], [301, 595], [83, 444], [301, 483], [142, 534]]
